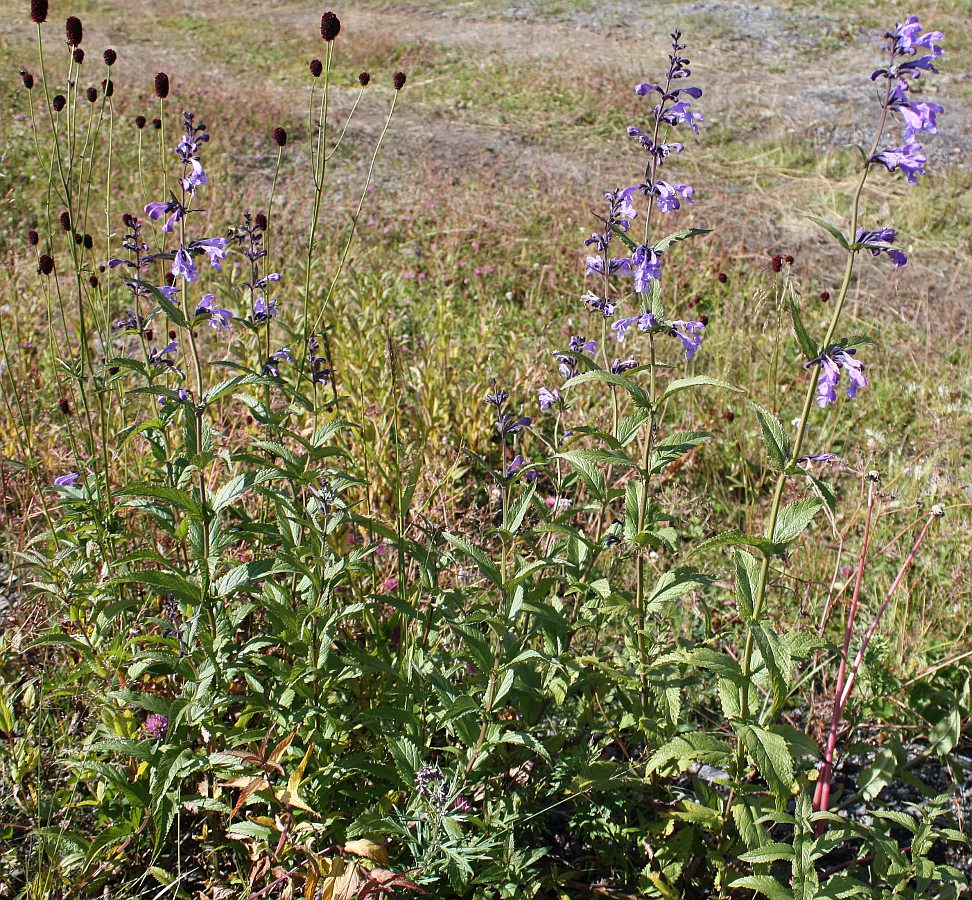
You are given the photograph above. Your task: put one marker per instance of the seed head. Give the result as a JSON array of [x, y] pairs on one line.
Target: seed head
[[156, 123], [140, 122], [78, 55], [109, 56], [398, 80], [27, 78], [280, 136], [364, 78], [161, 85], [45, 265], [33, 238], [108, 86], [316, 68], [330, 26], [73, 31], [824, 296], [65, 220], [92, 94], [38, 11], [261, 221], [59, 102], [938, 510]]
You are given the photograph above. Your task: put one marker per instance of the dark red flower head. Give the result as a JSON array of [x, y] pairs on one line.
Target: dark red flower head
[[156, 123], [33, 238], [109, 57], [65, 220], [364, 78], [330, 26], [45, 265], [38, 11], [78, 55], [776, 263], [59, 102], [73, 31], [398, 79], [27, 78], [316, 68], [108, 86], [261, 221], [161, 85], [140, 122], [92, 94], [280, 136]]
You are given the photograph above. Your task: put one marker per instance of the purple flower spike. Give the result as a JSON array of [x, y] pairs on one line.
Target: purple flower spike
[[647, 268], [831, 366], [69, 480], [668, 195], [215, 248], [218, 318], [910, 159], [879, 242], [681, 113]]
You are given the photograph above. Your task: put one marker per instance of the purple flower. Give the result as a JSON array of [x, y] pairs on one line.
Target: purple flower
[[647, 268], [879, 242], [182, 395], [218, 318], [160, 357], [917, 115], [270, 367], [620, 328], [620, 366], [668, 195], [690, 334], [681, 113], [215, 248], [169, 292], [263, 310], [595, 265], [598, 304], [161, 208], [910, 159], [580, 345], [831, 364], [907, 37], [548, 398], [69, 480], [183, 266], [156, 726]]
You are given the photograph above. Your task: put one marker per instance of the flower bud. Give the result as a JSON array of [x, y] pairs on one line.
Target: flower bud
[[33, 238], [730, 415], [78, 238], [280, 136], [316, 68], [161, 85], [45, 264], [140, 122], [704, 320], [38, 11], [398, 80], [109, 56], [73, 32], [91, 94], [59, 102], [364, 78], [78, 55], [330, 26], [27, 78]]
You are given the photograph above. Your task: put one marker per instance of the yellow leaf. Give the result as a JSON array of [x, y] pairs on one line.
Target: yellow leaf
[[367, 849], [294, 781]]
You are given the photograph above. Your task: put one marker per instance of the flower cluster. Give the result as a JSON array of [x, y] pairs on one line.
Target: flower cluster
[[905, 41], [832, 363]]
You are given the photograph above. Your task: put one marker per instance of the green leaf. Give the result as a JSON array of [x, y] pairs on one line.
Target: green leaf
[[735, 538], [774, 436], [168, 307], [833, 229], [146, 489], [776, 658], [241, 576], [771, 756], [630, 426], [878, 774], [589, 472], [675, 446], [639, 395], [690, 748], [630, 244], [676, 236], [672, 585], [807, 345], [747, 583], [768, 853], [162, 583], [763, 884], [683, 384], [483, 562], [794, 517], [517, 510]]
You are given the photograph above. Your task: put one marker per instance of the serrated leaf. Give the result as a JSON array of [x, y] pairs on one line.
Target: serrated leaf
[[639, 395], [588, 471], [483, 562], [735, 538], [676, 236], [774, 436], [794, 517], [672, 585], [168, 307], [771, 756], [807, 345], [675, 446], [146, 489], [776, 658], [517, 510], [763, 884], [684, 384], [772, 852], [687, 749], [747, 583]]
